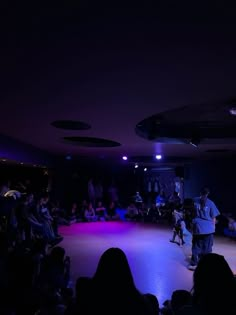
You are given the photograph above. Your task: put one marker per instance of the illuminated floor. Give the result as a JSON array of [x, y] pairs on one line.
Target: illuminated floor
[[158, 266]]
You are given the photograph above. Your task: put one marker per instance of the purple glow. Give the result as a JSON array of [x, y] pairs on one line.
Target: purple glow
[[158, 157], [125, 158]]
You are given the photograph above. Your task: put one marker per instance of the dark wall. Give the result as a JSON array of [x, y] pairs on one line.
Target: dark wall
[[13, 149], [70, 179], [219, 176]]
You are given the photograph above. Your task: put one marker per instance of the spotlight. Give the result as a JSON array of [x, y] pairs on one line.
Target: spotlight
[[145, 169], [136, 165], [158, 157], [125, 158]]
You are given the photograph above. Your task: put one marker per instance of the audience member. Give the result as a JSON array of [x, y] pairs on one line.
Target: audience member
[[113, 288], [214, 287]]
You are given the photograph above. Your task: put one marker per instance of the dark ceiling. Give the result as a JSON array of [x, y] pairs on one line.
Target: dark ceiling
[[113, 71]]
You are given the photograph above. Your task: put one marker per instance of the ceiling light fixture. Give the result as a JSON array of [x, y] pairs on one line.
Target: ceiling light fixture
[[158, 157], [125, 158]]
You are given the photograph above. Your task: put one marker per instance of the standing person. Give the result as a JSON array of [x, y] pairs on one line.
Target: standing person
[[138, 200], [177, 231], [203, 227], [98, 189], [113, 193], [91, 191]]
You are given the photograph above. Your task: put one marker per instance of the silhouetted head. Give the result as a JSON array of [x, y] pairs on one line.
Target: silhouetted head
[[113, 270], [114, 289], [179, 299], [204, 192], [214, 283]]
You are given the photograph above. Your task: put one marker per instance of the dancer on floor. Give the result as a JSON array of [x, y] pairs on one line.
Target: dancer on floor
[[203, 227]]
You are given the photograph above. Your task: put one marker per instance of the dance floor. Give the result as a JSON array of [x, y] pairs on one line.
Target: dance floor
[[158, 266]]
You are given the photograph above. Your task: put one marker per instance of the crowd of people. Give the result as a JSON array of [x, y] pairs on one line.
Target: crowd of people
[[35, 271]]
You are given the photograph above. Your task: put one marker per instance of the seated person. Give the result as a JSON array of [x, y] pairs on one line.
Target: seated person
[[73, 213], [232, 223], [132, 212], [161, 199], [82, 208], [44, 216], [42, 209], [231, 229], [100, 211], [59, 214], [179, 299], [222, 222], [153, 213], [55, 269], [89, 213], [111, 212], [41, 228], [143, 211]]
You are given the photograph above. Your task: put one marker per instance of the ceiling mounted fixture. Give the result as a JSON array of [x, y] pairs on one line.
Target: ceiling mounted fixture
[[220, 151], [70, 125], [147, 160], [211, 122], [91, 142]]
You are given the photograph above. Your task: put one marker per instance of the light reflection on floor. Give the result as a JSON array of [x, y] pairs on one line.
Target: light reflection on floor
[[158, 266]]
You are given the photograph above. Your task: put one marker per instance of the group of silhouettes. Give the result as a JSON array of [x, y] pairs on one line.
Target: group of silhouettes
[[112, 290]]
